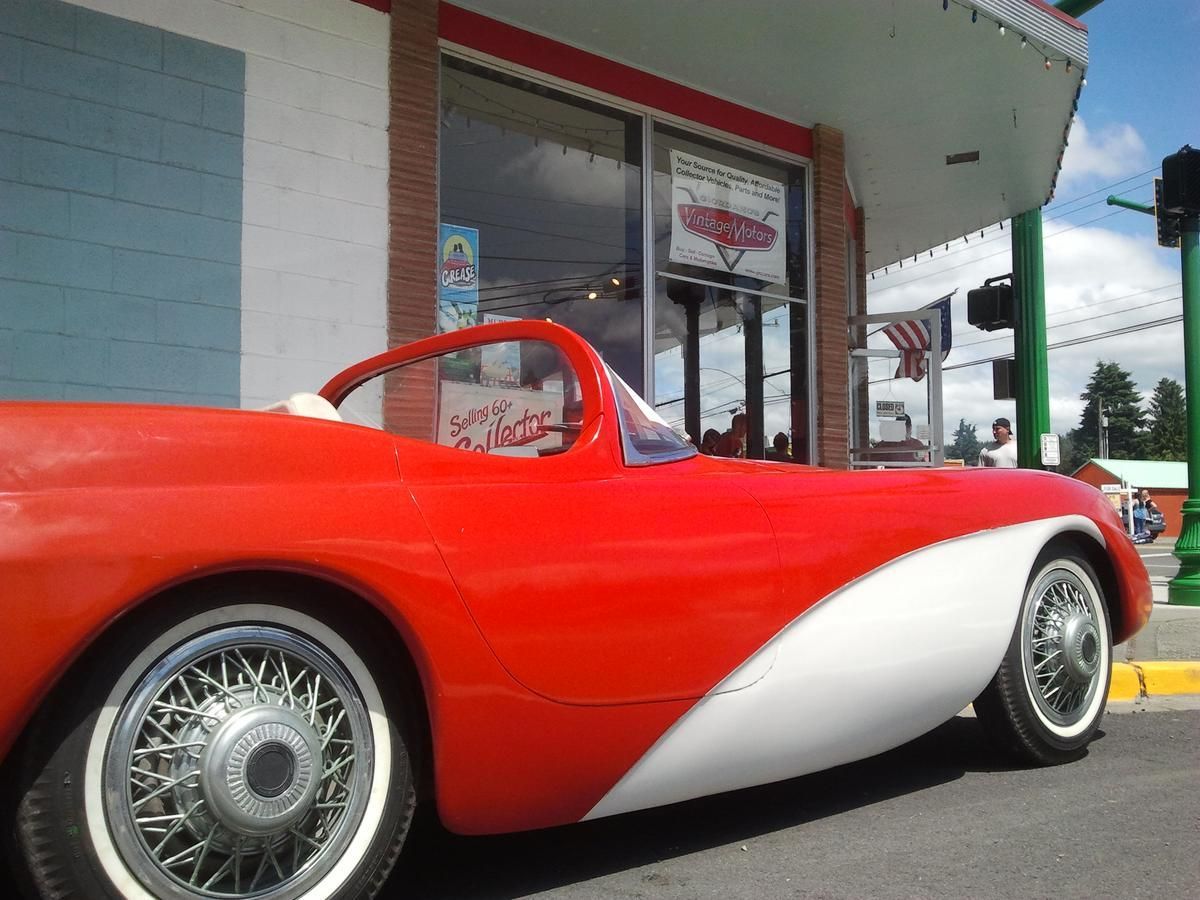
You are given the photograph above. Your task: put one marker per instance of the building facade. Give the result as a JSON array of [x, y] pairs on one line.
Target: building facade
[[223, 203]]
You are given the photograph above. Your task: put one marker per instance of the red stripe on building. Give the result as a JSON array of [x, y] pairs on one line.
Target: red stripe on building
[[533, 51]]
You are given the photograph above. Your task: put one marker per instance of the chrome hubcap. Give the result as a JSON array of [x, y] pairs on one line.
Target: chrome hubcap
[[259, 770], [238, 767]]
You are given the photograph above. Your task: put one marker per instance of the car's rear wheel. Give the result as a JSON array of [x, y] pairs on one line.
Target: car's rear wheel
[[1045, 702], [248, 750]]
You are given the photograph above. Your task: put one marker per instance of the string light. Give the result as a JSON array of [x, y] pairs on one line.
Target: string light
[[1047, 64], [1068, 65], [974, 16], [1001, 26], [1023, 42]]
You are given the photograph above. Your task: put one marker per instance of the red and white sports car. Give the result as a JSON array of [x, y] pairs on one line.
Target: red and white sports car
[[242, 646]]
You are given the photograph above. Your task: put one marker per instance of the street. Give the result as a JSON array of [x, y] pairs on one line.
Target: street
[[1160, 559], [944, 816]]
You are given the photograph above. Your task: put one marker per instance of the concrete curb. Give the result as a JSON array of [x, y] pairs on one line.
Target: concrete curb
[[1154, 678]]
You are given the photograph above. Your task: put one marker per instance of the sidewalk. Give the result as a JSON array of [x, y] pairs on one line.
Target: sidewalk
[[1164, 657]]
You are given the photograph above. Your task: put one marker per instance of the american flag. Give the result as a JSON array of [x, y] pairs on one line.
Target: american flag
[[911, 338]]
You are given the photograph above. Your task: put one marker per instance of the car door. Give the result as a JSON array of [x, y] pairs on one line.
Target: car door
[[594, 582]]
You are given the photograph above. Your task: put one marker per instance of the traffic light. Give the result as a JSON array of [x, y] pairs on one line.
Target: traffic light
[[1181, 182], [1168, 223], [991, 306]]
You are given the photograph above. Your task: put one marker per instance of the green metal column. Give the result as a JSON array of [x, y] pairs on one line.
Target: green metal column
[[1184, 588], [1029, 338]]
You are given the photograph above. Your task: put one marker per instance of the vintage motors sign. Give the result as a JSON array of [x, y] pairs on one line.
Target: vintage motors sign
[[481, 418], [726, 219]]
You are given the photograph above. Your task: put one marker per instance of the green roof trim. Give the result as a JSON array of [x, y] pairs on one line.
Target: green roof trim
[[1147, 473]]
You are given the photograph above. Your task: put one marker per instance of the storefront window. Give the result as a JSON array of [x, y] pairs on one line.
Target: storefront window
[[541, 198], [546, 188], [730, 255]]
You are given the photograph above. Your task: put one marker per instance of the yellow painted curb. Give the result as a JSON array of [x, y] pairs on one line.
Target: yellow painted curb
[[1170, 677], [1125, 685], [1155, 678]]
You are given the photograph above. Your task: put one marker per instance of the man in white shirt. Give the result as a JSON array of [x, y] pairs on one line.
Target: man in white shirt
[[1001, 453]]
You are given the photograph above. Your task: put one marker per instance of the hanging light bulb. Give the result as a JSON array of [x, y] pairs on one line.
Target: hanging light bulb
[[1001, 29], [1023, 42], [1068, 65], [1047, 64], [974, 16]]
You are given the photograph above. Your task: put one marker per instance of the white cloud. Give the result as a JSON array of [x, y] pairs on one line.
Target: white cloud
[[1097, 280], [1107, 154]]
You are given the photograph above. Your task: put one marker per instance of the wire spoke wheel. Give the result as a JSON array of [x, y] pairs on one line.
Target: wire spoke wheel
[[1046, 699], [1062, 646], [237, 765]]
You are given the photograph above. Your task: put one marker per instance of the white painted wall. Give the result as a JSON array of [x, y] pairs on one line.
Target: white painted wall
[[314, 234]]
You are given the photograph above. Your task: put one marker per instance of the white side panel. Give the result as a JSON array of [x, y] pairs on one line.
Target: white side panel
[[878, 663], [314, 233]]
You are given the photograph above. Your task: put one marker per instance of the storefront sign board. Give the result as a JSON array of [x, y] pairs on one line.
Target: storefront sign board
[[727, 219]]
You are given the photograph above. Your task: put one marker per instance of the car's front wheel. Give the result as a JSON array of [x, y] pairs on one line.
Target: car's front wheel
[[1045, 702], [245, 750]]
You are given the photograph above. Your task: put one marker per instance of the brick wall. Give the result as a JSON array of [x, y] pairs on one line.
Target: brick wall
[[120, 209], [831, 390], [413, 205]]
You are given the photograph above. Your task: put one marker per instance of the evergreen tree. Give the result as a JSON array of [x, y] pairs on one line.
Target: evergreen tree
[[1122, 405], [1072, 452], [1167, 438], [965, 445]]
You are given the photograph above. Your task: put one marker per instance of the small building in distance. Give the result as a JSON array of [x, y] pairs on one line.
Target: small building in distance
[[1166, 481]]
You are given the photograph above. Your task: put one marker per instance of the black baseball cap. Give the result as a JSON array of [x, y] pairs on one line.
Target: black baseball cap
[[1003, 423]]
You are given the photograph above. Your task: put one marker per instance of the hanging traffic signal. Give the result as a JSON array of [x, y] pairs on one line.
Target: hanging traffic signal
[[1168, 223], [991, 306]]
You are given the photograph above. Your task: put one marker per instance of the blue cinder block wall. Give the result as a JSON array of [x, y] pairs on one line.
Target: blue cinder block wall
[[120, 210]]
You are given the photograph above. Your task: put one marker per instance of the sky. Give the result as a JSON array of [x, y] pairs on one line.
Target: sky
[[1104, 269]]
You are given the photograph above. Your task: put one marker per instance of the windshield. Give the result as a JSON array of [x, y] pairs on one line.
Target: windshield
[[646, 438]]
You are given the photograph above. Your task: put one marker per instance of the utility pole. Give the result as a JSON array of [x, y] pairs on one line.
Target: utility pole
[[1177, 211], [1101, 428]]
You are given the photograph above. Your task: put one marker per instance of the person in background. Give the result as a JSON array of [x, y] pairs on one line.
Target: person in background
[[1001, 452], [779, 453], [910, 449], [733, 442], [708, 444]]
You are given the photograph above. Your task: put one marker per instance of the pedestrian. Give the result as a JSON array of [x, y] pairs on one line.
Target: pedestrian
[[1001, 452], [779, 451], [708, 444], [733, 442]]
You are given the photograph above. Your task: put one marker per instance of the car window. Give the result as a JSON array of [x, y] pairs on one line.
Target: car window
[[646, 438], [511, 398]]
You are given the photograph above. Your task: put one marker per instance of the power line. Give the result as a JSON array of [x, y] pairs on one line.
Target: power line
[[969, 262], [1079, 321], [1072, 342], [1054, 206]]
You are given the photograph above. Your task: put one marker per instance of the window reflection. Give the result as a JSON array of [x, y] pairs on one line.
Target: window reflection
[[553, 184]]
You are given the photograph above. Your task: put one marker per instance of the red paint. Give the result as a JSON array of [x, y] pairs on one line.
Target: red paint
[[729, 229], [381, 5], [560, 60], [563, 612]]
